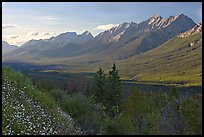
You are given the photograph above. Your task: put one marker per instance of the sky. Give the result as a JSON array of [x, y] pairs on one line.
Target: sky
[[23, 21]]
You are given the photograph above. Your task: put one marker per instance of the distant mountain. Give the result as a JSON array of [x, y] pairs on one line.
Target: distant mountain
[[112, 34], [63, 39], [62, 45], [123, 41], [149, 34], [130, 39], [7, 47], [73, 38], [164, 30], [83, 38], [196, 29], [127, 31], [33, 42]]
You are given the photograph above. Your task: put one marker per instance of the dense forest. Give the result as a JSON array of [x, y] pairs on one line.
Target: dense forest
[[94, 107]]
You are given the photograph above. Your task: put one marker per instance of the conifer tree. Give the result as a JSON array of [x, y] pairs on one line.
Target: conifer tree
[[114, 94], [100, 86]]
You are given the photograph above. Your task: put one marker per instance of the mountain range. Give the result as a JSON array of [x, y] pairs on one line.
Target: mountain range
[[129, 44], [150, 34], [7, 48]]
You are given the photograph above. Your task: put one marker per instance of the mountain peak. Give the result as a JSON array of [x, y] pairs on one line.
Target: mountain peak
[[4, 42], [132, 22], [156, 16], [6, 47], [86, 33], [125, 24], [154, 20], [182, 15], [70, 33], [66, 35]]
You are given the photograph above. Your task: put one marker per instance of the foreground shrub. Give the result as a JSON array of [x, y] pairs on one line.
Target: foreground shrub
[[119, 125], [164, 113], [88, 114], [190, 110]]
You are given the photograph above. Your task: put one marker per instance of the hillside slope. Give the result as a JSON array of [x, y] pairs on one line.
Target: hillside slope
[[179, 60], [27, 111]]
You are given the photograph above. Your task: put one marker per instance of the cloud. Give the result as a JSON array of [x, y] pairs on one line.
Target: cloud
[[105, 27], [48, 18], [33, 33], [19, 39], [11, 36], [48, 33], [5, 26], [14, 36]]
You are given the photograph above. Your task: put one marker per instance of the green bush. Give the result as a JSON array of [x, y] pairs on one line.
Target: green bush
[[57, 94], [83, 109], [119, 125], [190, 111], [76, 105], [45, 85]]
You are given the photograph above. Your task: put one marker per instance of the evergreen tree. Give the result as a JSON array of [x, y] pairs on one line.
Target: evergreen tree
[[113, 96], [107, 90], [99, 89]]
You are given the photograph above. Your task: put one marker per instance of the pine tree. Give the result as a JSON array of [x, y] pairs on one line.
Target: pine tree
[[99, 89], [107, 90], [114, 94]]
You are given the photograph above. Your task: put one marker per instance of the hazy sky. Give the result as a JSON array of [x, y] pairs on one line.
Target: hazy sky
[[22, 21]]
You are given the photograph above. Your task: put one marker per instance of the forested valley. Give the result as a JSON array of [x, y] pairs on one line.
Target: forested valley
[[97, 106]]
